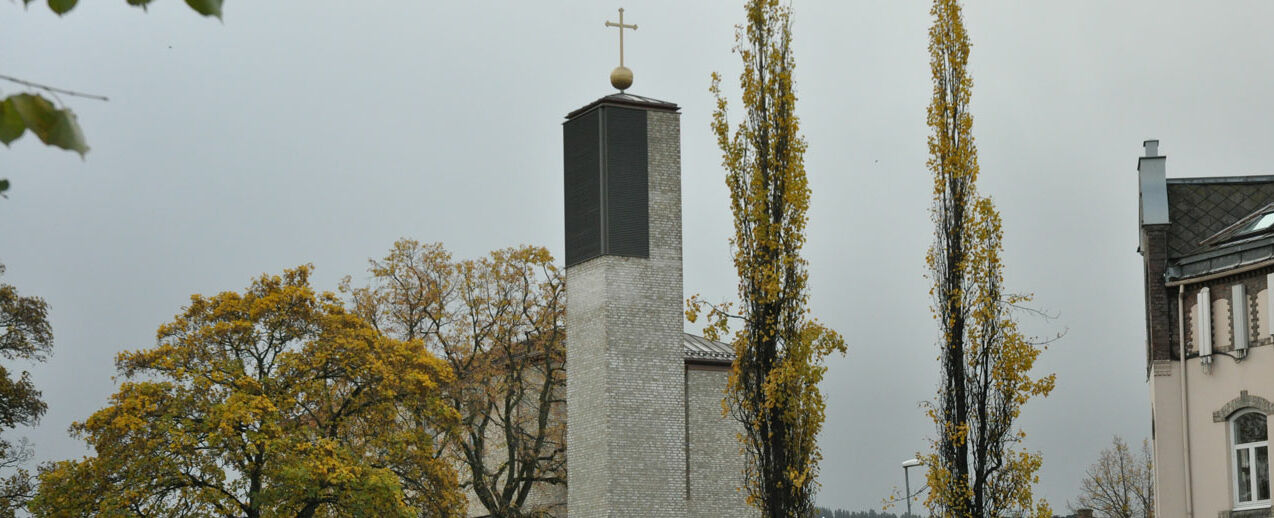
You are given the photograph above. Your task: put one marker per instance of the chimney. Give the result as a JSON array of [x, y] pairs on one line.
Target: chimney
[[1153, 245], [1154, 188]]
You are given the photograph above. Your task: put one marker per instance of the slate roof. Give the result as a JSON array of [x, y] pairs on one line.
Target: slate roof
[[1199, 208], [698, 349], [1207, 217]]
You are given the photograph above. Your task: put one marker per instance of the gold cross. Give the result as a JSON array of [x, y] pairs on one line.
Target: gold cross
[[621, 26]]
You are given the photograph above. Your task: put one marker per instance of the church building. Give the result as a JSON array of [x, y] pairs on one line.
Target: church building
[[645, 434], [645, 431]]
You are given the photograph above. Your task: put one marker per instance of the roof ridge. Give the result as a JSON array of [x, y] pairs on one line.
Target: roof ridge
[[1267, 178]]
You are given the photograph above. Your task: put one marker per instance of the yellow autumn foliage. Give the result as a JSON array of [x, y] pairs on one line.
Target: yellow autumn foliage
[[773, 386], [274, 402], [498, 322], [975, 468]]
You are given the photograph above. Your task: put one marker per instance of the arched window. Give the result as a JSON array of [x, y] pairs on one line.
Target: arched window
[[1251, 459]]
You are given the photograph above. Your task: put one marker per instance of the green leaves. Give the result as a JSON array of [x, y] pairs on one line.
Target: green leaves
[[206, 7], [11, 124], [62, 6], [58, 127], [54, 126]]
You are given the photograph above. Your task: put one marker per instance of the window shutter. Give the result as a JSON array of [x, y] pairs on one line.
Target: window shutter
[[1203, 309], [1269, 303], [1238, 316]]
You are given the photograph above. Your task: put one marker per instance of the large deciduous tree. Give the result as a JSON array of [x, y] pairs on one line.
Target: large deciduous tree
[[25, 334], [773, 386], [272, 402], [975, 469], [498, 322], [1120, 484]]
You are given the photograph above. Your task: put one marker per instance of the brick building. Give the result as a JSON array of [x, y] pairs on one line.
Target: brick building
[[1208, 254]]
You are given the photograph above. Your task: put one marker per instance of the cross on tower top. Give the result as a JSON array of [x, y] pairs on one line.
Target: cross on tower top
[[621, 26], [621, 78]]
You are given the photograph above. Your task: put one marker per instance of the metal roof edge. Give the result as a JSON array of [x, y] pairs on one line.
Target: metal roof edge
[[1237, 269], [628, 101], [1203, 180]]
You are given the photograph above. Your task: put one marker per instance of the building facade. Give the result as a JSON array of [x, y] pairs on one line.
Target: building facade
[[645, 434], [1207, 247]]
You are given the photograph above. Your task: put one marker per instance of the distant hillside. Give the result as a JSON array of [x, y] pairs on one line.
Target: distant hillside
[[822, 512]]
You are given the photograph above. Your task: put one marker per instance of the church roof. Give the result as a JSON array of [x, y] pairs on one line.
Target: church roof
[[698, 349], [627, 100]]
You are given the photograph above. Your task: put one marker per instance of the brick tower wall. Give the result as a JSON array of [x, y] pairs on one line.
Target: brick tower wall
[[625, 367]]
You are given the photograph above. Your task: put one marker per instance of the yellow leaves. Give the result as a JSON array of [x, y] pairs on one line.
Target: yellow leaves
[[773, 387], [1120, 483], [985, 361], [277, 388], [496, 324]]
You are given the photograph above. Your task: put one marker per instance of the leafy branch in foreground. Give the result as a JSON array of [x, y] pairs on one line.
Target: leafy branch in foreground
[[204, 7], [53, 125]]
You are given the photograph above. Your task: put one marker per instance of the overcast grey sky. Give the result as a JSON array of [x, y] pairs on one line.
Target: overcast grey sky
[[308, 131]]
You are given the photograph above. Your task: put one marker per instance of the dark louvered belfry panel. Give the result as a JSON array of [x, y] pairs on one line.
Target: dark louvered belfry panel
[[607, 186], [627, 189], [583, 177]]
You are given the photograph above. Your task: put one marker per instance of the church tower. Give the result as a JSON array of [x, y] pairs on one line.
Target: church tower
[[625, 396]]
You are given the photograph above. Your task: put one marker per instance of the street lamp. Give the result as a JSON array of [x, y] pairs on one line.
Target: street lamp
[[906, 477]]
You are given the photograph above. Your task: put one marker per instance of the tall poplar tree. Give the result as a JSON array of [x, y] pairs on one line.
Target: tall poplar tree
[[773, 386], [975, 469]]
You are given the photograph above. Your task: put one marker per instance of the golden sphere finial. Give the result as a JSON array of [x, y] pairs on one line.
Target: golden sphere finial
[[621, 78]]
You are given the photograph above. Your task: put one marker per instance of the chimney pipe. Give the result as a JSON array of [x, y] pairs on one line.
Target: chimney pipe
[[1154, 190]]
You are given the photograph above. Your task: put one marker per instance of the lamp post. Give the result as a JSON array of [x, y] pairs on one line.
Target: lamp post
[[906, 478]]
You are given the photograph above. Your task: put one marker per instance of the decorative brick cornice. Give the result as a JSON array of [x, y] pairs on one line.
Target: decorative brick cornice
[[1244, 400]]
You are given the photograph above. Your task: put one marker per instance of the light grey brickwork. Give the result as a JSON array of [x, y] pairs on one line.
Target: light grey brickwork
[[625, 385], [646, 437], [712, 447]]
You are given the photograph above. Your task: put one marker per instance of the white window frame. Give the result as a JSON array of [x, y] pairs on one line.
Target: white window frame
[[1234, 462]]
